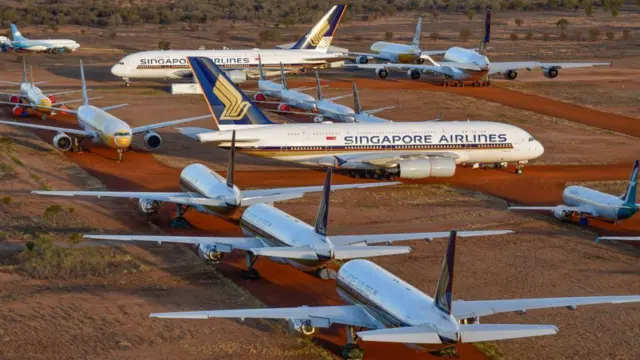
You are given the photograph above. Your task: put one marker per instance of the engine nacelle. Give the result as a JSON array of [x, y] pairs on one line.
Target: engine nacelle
[[510, 74], [148, 207], [318, 119], [210, 254], [362, 59], [283, 107], [62, 142], [152, 140], [551, 72], [382, 73], [259, 97], [14, 99], [18, 111], [302, 326], [52, 98], [424, 168], [237, 76], [469, 321], [413, 74], [562, 212]]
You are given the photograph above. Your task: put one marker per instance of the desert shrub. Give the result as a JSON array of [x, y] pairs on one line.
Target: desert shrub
[[434, 36], [562, 24], [594, 34], [529, 35], [470, 14], [52, 212], [465, 34], [519, 22], [388, 35], [164, 45], [626, 34], [6, 200], [588, 8], [513, 36], [435, 14], [610, 35]]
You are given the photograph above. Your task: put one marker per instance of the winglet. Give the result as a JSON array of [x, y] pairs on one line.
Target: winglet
[[357, 106], [416, 35], [283, 78], [232, 160], [629, 195], [442, 299], [318, 87], [323, 211], [84, 85]]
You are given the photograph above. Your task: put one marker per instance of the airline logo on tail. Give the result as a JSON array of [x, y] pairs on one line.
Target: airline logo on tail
[[17, 36], [234, 107], [315, 38], [321, 35]]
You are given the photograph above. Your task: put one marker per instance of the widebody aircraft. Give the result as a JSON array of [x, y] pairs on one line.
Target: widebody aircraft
[[32, 97], [273, 233], [309, 51], [589, 203], [204, 190], [49, 46], [397, 312], [461, 65], [101, 127], [408, 150]]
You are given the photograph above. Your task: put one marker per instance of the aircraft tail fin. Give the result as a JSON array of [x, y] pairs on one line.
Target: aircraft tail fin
[[24, 70], [85, 97], [318, 87], [232, 160], [260, 69], [442, 299], [283, 78], [228, 105], [320, 36], [357, 106], [17, 36], [487, 32], [31, 72], [629, 195], [323, 211], [416, 35]]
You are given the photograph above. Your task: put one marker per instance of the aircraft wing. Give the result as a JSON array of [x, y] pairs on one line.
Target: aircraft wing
[[223, 244], [389, 159], [371, 55], [441, 68], [271, 195], [432, 53], [112, 107], [625, 238], [319, 316], [65, 92], [184, 198], [193, 132], [141, 129], [75, 101], [50, 128], [497, 67], [375, 111], [389, 238], [469, 309]]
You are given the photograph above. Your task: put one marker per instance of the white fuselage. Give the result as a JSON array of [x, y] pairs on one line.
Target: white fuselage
[[399, 53], [335, 111], [390, 300], [202, 180], [318, 144], [599, 204], [172, 64], [107, 129], [33, 95], [44, 45], [466, 56]]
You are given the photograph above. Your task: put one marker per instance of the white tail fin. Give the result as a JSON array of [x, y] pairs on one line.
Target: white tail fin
[[85, 97]]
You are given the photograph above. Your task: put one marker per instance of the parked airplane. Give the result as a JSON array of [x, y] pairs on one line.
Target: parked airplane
[[618, 238], [462, 65], [309, 51], [30, 96], [400, 313], [50, 46], [407, 150], [366, 116], [206, 191], [273, 233], [588, 203], [101, 127]]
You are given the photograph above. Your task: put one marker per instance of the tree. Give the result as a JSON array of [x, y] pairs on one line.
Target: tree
[[434, 36], [164, 45], [465, 34], [470, 14], [52, 212], [388, 35], [513, 36], [610, 35], [594, 34], [436, 14], [626, 34], [562, 24], [588, 8], [519, 22]]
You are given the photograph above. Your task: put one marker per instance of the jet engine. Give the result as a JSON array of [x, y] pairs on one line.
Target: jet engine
[[210, 254], [283, 107], [318, 119], [14, 99], [152, 140], [510, 74], [52, 98], [18, 111], [62, 142], [148, 207], [551, 72], [423, 168], [413, 74], [420, 61], [362, 59], [259, 97], [237, 76], [303, 326], [562, 212], [382, 73]]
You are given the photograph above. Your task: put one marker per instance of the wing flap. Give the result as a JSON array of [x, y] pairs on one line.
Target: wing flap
[[241, 243], [184, 198], [405, 335], [491, 332]]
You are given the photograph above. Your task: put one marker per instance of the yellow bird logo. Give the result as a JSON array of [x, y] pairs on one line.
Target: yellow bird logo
[[234, 107], [317, 35]]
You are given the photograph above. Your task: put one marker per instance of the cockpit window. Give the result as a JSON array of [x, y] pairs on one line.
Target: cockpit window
[[121, 63], [122, 133], [531, 139]]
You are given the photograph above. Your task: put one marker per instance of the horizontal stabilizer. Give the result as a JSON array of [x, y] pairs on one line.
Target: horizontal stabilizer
[[356, 252], [491, 332], [339, 97], [405, 335], [242, 243], [112, 107], [287, 252]]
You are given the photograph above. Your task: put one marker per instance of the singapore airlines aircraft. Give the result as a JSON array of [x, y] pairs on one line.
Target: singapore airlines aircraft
[[101, 127], [408, 150], [309, 51], [272, 233], [206, 191], [31, 96], [470, 65], [49, 46], [588, 203], [397, 312]]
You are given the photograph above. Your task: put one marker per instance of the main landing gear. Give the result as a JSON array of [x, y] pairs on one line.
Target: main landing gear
[[372, 174], [251, 273], [325, 273], [519, 169], [179, 222], [120, 152], [352, 351], [127, 83]]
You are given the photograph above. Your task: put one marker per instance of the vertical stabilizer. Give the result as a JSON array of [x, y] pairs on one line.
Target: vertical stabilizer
[[283, 78], [323, 211], [629, 195], [31, 71], [319, 38], [260, 70], [416, 35], [357, 106], [487, 32], [16, 34], [232, 160], [24, 70], [85, 98], [318, 87], [442, 299]]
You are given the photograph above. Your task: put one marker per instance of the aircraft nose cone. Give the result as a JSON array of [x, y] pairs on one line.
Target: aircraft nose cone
[[117, 70], [538, 149], [122, 141]]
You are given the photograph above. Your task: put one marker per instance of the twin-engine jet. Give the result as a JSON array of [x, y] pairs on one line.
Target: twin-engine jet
[[588, 203], [101, 127], [49, 46], [397, 312]]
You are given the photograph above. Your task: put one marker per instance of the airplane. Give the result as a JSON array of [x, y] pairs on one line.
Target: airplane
[[461, 65], [205, 191], [49, 46], [31, 96], [618, 238], [366, 116], [309, 51], [273, 233], [408, 150], [397, 312], [101, 127], [588, 203]]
